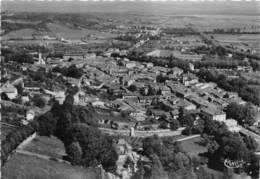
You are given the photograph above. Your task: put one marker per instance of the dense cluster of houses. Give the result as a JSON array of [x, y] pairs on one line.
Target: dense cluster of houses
[[133, 89], [136, 92]]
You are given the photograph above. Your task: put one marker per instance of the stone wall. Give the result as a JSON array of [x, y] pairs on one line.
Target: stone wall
[[138, 133]]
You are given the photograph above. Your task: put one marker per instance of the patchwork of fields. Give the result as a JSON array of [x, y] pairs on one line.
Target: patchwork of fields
[[242, 41]]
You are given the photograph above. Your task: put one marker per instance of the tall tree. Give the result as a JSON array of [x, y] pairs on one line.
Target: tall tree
[[174, 124], [75, 153], [47, 124]]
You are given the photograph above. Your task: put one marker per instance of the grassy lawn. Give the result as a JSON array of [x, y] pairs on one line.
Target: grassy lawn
[[192, 147], [28, 167], [50, 146]]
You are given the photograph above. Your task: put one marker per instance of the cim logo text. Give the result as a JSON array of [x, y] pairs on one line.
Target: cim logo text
[[233, 164]]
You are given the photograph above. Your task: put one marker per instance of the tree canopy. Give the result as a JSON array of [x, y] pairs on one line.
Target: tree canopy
[[244, 114]]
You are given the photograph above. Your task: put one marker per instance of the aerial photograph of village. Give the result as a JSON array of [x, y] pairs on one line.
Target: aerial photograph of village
[[130, 90]]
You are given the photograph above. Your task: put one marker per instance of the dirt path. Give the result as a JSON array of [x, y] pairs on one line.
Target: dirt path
[[45, 157]]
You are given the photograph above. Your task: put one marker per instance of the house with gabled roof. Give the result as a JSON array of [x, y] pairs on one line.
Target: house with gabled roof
[[9, 90]]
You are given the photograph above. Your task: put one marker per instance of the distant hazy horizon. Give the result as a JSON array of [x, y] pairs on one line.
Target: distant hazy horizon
[[203, 8]]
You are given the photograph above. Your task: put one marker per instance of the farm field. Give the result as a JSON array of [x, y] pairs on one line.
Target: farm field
[[30, 167], [241, 41], [50, 146], [57, 30], [208, 22], [23, 33]]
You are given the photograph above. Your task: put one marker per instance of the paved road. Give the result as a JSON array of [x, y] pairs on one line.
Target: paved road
[[188, 138]]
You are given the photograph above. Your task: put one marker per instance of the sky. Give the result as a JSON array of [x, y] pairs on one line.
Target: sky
[[184, 7]]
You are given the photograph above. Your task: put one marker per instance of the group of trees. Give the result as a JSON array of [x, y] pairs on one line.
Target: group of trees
[[38, 101], [168, 160], [86, 146], [76, 127], [170, 154], [220, 142], [220, 64], [206, 62], [13, 139], [40, 75], [185, 119], [169, 62], [244, 114], [44, 124], [255, 65], [179, 31], [21, 54], [17, 56], [71, 71], [239, 85], [161, 78], [223, 144], [128, 37], [44, 79], [189, 121]]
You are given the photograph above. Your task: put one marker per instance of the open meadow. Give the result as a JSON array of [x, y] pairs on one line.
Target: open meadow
[[192, 147], [50, 146], [31, 167]]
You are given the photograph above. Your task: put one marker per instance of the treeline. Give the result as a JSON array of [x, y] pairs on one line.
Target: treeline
[[17, 56], [220, 64], [129, 38], [239, 85], [244, 114], [21, 54], [206, 62], [179, 31], [234, 31], [164, 62]]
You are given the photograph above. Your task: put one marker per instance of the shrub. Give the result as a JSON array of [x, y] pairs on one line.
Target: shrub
[[174, 124], [38, 101], [187, 131], [75, 153]]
